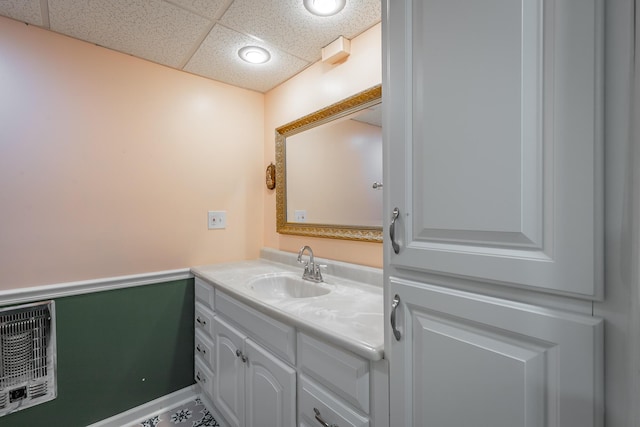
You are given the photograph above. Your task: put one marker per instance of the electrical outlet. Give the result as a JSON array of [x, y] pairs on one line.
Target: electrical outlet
[[217, 219], [301, 215]]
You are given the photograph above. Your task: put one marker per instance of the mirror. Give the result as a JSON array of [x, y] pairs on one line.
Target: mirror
[[329, 171]]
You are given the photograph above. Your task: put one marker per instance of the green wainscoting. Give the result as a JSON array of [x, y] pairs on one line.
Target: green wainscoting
[[117, 350]]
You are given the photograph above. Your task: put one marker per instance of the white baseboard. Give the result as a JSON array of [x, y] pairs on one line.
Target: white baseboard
[[161, 404]]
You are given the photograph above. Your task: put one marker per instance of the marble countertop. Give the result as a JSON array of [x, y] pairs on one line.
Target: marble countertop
[[351, 315]]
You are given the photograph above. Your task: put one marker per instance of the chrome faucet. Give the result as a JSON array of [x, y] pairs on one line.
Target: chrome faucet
[[311, 269]]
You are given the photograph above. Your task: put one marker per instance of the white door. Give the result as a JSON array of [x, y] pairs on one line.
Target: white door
[[493, 157], [230, 368], [493, 129], [270, 389]]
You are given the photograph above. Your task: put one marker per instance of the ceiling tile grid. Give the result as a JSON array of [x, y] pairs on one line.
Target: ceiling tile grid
[[150, 29], [203, 36], [209, 9], [217, 58], [287, 25], [28, 11]]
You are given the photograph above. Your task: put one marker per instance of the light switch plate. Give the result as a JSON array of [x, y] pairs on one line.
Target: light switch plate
[[217, 219]]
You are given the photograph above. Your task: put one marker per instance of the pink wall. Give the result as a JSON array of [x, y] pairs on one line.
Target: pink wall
[[109, 164], [316, 87]]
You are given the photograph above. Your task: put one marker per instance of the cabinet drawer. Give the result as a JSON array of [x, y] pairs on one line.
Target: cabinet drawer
[[272, 334], [204, 293], [204, 348], [330, 409], [203, 319], [203, 376], [341, 371]]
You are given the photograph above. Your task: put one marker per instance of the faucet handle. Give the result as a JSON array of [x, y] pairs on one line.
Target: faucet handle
[[318, 271]]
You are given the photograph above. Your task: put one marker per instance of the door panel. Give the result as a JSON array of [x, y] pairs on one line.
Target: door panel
[[230, 373], [478, 370], [472, 97], [466, 359], [270, 387], [493, 115]]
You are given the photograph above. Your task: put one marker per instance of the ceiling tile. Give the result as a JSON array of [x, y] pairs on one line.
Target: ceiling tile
[[289, 26], [22, 10], [170, 31], [207, 8], [217, 58], [150, 29]]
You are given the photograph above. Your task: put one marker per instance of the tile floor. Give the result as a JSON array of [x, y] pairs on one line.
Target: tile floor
[[190, 414]]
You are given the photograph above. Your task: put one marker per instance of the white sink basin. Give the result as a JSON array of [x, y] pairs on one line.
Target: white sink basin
[[285, 285]]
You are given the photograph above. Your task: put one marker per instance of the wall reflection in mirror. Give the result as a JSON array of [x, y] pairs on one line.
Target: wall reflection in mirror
[[330, 171]]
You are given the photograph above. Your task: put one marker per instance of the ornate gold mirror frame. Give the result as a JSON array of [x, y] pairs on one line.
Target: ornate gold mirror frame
[[347, 106]]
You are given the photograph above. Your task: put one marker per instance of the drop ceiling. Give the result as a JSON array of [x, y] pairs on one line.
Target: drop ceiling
[[203, 36]]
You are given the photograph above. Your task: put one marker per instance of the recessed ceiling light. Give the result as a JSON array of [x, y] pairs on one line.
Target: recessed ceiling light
[[254, 54], [324, 7]]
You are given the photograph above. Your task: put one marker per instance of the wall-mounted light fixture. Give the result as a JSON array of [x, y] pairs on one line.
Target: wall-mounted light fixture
[[324, 7], [254, 54]]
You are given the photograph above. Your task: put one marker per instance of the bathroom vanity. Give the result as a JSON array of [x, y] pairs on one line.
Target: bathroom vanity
[[272, 349]]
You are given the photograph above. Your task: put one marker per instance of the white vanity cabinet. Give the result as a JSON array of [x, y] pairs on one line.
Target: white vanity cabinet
[[254, 388], [270, 389], [229, 395], [249, 385], [204, 348], [334, 386], [493, 129], [267, 373]]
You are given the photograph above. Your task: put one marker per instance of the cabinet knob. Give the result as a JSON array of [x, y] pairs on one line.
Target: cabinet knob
[[200, 350], [202, 322], [241, 356]]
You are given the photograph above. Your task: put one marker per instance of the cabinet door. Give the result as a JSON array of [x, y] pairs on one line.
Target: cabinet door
[[230, 369], [493, 123], [316, 406], [468, 360], [270, 389]]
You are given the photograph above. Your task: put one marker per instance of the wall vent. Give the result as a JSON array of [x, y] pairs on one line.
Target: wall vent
[[27, 356]]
